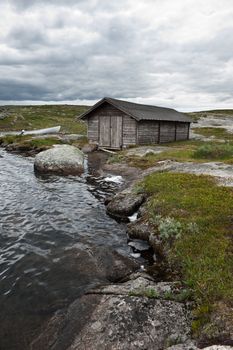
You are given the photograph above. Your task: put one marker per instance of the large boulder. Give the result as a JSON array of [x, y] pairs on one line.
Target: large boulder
[[61, 159]]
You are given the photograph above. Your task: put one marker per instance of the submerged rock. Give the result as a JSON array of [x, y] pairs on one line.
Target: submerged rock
[[61, 159], [125, 204]]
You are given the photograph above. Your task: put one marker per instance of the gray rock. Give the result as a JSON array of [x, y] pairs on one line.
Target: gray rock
[[139, 229], [72, 137], [186, 346], [139, 286], [90, 147], [133, 323], [125, 204], [219, 347], [61, 159], [106, 320]]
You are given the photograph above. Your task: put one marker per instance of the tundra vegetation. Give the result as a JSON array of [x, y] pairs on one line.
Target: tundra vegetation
[[39, 117], [195, 217]]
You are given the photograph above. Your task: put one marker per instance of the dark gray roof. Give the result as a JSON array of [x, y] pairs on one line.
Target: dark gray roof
[[142, 112]]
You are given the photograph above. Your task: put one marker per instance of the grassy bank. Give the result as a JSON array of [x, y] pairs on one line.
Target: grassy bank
[[195, 217], [37, 117], [186, 151], [30, 146]]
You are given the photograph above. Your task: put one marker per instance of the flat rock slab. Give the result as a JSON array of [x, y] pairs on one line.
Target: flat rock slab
[[133, 323], [143, 151], [109, 318], [61, 160]]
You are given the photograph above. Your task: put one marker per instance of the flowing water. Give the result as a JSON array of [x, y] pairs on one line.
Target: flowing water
[[42, 220]]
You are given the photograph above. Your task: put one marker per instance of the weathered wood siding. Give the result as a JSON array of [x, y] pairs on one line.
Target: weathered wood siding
[[182, 131], [116, 132], [148, 132], [93, 128], [129, 131], [112, 128], [105, 131], [167, 132]]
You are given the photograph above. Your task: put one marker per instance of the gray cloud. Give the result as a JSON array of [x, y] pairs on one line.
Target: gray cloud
[[83, 50]]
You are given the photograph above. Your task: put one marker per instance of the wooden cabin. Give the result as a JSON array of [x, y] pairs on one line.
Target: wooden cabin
[[116, 124]]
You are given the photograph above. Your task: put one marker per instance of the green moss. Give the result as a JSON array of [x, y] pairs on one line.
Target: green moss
[[148, 293], [203, 256]]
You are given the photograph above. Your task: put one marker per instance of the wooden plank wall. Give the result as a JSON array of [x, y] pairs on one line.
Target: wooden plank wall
[[148, 132], [129, 131], [93, 128], [133, 132], [167, 131], [129, 125], [182, 131]]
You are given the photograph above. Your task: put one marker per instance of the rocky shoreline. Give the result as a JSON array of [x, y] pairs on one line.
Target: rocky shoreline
[[142, 310]]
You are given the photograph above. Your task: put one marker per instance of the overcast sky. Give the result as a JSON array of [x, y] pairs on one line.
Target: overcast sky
[[173, 53]]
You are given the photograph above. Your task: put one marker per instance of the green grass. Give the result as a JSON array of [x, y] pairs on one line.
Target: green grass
[[27, 143], [37, 117], [185, 151], [217, 112], [204, 257], [219, 133]]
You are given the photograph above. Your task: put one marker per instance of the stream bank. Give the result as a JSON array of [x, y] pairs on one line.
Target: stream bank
[[113, 313]]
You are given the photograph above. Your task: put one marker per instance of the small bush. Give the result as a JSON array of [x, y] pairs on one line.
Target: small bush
[[214, 151], [169, 228]]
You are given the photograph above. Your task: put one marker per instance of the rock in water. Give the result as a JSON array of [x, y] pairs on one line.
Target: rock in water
[[124, 204], [61, 159]]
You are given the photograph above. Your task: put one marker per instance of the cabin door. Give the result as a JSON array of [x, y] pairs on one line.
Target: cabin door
[[105, 131], [110, 131], [116, 132]]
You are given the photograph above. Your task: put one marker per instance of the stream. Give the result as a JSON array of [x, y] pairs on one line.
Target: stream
[[47, 227]]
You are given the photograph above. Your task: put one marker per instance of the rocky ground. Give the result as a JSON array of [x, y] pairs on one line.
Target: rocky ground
[[135, 314]]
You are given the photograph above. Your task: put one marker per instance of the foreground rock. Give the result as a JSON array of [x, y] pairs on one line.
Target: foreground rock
[[68, 275], [61, 159], [118, 317]]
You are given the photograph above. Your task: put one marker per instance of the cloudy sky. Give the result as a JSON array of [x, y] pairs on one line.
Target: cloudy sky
[[174, 53]]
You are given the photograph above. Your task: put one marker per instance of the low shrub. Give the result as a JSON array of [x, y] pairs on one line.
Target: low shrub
[[214, 151]]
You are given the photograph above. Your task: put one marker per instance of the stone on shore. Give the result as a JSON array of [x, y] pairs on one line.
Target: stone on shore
[[61, 160], [139, 229], [90, 147], [124, 204]]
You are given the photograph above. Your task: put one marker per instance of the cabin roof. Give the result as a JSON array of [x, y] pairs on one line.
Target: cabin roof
[[141, 112]]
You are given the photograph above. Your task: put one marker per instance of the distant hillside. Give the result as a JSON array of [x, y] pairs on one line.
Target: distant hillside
[[212, 113], [36, 117]]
